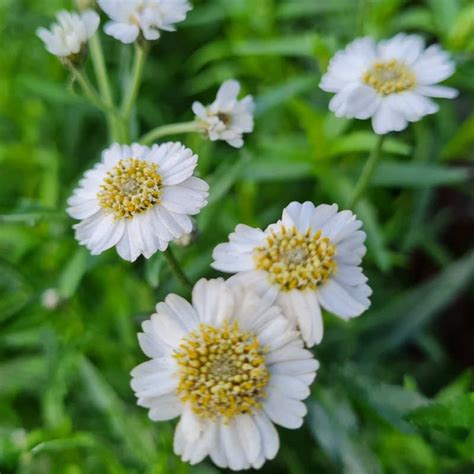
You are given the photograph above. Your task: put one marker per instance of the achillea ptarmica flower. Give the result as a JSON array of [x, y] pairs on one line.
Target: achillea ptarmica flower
[[68, 36], [230, 365], [138, 199], [310, 258], [132, 18], [227, 118], [390, 82]]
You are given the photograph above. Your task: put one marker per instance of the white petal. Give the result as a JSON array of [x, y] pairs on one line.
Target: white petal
[[433, 65], [122, 31], [292, 387], [338, 300], [189, 197], [284, 411], [165, 408], [232, 447], [387, 118], [303, 308], [442, 92], [268, 435], [249, 436], [178, 308], [405, 48], [176, 162], [213, 301]]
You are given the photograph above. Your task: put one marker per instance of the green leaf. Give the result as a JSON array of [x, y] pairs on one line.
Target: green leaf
[[357, 142], [24, 374], [463, 140], [15, 291], [415, 175], [406, 315], [281, 93], [72, 274], [133, 434], [455, 413]]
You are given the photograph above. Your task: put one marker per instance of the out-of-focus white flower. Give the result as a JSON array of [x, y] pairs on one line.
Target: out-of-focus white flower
[[50, 298], [67, 37], [230, 365], [390, 81], [227, 118], [138, 199], [130, 18], [310, 258]]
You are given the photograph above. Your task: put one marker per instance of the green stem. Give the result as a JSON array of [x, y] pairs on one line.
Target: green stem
[[176, 269], [367, 172], [171, 129], [87, 88], [134, 85], [100, 70]]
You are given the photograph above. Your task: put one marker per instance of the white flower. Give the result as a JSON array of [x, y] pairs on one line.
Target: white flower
[[130, 18], [230, 365], [227, 118], [390, 81], [137, 199], [70, 33], [310, 258]]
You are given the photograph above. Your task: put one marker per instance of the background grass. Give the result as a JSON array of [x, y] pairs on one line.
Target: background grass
[[394, 392]]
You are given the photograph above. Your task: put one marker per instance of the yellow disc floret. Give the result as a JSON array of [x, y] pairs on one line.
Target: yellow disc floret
[[222, 371], [388, 77], [296, 261], [131, 187]]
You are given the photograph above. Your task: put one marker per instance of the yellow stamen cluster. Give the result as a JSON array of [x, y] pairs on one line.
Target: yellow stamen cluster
[[131, 187], [388, 77], [296, 261], [222, 371]]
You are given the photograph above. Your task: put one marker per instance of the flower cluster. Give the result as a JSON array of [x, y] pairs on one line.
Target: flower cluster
[[232, 363]]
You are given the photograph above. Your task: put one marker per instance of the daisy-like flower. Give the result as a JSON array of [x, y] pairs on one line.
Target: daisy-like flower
[[391, 81], [310, 258], [138, 199], [227, 118], [68, 36], [132, 18], [230, 365]]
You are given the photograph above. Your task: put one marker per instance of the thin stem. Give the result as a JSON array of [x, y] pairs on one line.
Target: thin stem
[[134, 85], [87, 88], [171, 129], [367, 171], [100, 70], [176, 269]]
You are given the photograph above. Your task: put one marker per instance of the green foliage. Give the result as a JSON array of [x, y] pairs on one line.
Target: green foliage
[[393, 394]]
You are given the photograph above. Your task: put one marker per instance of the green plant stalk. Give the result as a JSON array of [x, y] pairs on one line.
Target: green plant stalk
[[367, 172], [100, 70], [171, 129], [177, 269], [134, 85], [88, 89]]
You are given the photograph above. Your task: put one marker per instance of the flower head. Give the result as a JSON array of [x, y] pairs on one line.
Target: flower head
[[130, 18], [391, 81], [138, 199], [67, 37], [227, 118], [310, 258], [230, 365]]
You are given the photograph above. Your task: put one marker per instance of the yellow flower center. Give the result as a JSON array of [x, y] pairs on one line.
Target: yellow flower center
[[222, 371], [296, 261], [387, 77], [132, 187]]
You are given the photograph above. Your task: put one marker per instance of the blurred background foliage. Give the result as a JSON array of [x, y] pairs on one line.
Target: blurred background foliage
[[394, 392]]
